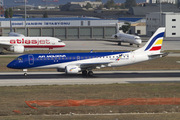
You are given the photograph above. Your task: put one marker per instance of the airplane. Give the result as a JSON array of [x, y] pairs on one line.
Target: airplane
[[120, 37], [123, 37], [73, 63], [16, 42]]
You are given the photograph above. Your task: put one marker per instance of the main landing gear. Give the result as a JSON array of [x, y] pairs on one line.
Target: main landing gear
[[85, 73], [2, 53]]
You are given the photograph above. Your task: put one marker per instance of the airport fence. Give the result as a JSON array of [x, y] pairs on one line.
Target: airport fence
[[105, 102]]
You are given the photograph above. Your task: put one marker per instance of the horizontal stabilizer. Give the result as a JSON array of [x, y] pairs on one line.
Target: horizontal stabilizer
[[160, 54]]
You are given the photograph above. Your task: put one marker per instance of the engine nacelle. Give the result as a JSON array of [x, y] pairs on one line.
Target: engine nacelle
[[17, 49], [115, 36], [72, 69]]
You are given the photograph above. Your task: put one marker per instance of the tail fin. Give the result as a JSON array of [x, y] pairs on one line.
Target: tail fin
[[155, 42]]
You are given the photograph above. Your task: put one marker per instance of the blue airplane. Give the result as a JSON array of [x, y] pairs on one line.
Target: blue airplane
[[73, 63]]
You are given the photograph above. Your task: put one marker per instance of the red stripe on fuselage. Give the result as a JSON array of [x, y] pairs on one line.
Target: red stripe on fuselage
[[43, 46], [155, 48]]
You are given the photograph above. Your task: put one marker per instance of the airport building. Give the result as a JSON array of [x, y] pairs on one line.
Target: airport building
[[166, 19], [162, 1], [64, 28]]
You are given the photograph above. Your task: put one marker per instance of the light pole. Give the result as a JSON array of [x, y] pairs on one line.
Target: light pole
[[25, 17], [160, 13]]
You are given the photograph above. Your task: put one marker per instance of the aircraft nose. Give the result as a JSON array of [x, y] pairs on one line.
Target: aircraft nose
[[10, 65], [139, 41], [63, 44]]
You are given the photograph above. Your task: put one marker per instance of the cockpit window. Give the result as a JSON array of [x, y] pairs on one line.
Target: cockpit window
[[19, 58], [59, 40]]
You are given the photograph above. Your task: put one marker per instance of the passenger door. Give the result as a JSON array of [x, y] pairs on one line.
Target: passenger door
[[31, 59]]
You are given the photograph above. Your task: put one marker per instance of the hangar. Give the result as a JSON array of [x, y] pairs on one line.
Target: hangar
[[64, 28]]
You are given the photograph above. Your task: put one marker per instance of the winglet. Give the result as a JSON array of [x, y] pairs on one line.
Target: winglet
[[91, 51]]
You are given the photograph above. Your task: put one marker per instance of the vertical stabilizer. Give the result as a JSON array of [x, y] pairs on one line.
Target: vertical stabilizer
[[11, 30], [155, 42]]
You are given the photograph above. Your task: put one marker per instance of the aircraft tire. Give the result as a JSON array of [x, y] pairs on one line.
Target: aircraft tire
[[25, 74], [84, 72], [90, 73]]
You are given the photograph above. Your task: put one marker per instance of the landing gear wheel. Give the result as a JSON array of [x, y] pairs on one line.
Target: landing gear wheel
[[119, 43], [131, 44], [90, 73], [84, 72], [25, 74], [138, 46]]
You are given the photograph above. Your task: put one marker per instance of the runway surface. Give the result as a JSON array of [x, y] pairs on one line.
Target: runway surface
[[100, 77]]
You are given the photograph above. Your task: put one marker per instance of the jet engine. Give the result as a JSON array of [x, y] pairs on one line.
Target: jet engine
[[72, 69], [17, 49], [115, 36]]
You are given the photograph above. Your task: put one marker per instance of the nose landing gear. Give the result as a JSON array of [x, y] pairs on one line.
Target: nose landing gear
[[25, 72]]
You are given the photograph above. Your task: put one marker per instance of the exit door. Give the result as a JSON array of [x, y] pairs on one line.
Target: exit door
[[31, 59]]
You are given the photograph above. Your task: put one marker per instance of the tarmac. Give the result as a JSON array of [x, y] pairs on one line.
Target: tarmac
[[100, 77]]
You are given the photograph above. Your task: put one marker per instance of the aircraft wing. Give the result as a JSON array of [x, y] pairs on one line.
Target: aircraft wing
[[5, 45], [94, 65], [112, 40]]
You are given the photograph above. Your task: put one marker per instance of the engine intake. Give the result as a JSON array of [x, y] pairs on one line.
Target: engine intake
[[17, 49]]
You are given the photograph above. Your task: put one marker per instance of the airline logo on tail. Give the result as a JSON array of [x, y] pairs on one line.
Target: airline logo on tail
[[156, 42]]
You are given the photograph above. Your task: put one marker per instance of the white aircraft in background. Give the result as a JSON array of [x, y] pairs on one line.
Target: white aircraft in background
[[120, 36], [123, 37], [73, 63], [17, 43]]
